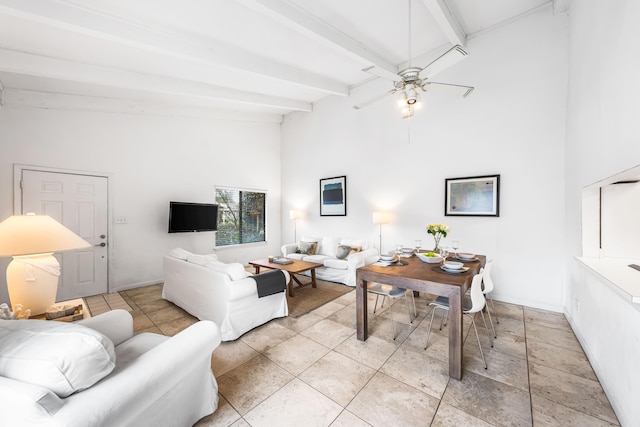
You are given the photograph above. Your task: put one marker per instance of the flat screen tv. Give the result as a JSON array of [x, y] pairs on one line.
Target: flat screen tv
[[189, 217]]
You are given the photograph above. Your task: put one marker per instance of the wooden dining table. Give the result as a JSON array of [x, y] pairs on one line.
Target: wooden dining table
[[420, 276]]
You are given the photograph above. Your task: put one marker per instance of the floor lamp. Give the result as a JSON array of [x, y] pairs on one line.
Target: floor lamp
[[295, 215], [32, 275], [380, 218]]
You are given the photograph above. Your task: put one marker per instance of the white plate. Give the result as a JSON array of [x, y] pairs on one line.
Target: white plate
[[394, 259], [407, 250], [466, 259], [457, 270]]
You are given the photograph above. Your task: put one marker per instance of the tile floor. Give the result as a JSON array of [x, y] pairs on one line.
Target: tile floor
[[311, 371]]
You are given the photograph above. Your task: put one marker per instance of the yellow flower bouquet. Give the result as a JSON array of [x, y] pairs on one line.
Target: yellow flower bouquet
[[438, 231]]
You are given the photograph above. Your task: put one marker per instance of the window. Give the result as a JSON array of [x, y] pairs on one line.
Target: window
[[241, 216]]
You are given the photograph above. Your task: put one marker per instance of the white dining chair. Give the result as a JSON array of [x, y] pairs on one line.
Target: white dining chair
[[470, 308], [391, 292], [487, 288]]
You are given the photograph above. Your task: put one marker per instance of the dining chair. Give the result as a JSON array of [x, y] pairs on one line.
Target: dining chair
[[487, 288], [443, 320], [470, 308], [391, 292]]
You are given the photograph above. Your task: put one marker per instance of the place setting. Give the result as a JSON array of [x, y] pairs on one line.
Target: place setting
[[450, 266], [393, 258]]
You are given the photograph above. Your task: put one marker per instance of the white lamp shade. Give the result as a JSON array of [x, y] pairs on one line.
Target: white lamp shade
[[36, 234], [295, 214], [381, 217]]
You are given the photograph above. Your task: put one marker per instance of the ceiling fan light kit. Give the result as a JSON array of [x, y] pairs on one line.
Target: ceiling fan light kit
[[408, 80]]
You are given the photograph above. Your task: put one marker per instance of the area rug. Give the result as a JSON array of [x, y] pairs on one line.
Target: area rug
[[308, 298]]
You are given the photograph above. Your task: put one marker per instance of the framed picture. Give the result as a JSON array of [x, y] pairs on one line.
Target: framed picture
[[333, 196], [472, 196]]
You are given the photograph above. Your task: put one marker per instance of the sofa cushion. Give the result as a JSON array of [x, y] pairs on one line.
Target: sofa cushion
[[202, 259], [62, 357], [297, 256], [180, 253], [328, 246], [307, 248], [340, 264], [28, 398], [320, 259], [234, 270]]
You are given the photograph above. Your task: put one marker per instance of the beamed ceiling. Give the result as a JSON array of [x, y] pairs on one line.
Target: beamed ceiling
[[244, 59]]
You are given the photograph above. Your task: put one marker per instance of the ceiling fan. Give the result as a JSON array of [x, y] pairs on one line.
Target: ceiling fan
[[409, 81]]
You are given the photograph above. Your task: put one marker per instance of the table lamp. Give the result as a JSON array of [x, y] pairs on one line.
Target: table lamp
[[381, 218], [32, 275]]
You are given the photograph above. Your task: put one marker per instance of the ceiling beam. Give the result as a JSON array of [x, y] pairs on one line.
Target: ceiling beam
[[162, 41], [20, 98], [304, 23], [35, 65], [447, 21]]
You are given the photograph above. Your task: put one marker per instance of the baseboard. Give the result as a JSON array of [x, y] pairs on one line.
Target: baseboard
[[541, 306]]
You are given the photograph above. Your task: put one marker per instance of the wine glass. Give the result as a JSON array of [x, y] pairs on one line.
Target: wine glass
[[418, 244], [444, 251], [455, 245], [398, 250]]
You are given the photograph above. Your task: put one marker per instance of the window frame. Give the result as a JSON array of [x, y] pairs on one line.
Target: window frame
[[222, 207]]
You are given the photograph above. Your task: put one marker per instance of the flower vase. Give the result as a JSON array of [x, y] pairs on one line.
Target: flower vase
[[436, 248]]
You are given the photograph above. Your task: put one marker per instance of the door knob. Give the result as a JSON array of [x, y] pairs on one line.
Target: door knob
[[103, 244], [102, 236]]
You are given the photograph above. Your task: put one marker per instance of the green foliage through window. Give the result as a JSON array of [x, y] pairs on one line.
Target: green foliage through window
[[241, 216]]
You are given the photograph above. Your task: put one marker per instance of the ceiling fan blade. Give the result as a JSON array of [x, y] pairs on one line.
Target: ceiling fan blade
[[448, 88], [444, 61], [374, 99], [381, 72]]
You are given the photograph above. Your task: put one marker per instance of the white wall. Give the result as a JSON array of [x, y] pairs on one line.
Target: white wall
[[153, 159], [603, 131], [512, 125]]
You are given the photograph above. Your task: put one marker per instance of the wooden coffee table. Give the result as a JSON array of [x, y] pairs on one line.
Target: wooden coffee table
[[297, 266]]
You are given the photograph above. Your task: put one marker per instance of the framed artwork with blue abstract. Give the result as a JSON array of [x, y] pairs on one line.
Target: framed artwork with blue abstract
[[333, 196]]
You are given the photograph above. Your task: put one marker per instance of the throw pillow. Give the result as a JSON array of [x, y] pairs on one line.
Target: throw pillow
[[343, 251], [62, 357], [307, 248], [234, 270], [362, 244]]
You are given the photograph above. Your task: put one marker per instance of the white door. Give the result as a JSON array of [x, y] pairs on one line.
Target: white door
[[79, 202]]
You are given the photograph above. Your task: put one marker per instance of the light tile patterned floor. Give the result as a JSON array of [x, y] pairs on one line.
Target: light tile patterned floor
[[311, 370]]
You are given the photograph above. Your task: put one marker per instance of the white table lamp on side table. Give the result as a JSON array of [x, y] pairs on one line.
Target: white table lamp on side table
[[32, 275]]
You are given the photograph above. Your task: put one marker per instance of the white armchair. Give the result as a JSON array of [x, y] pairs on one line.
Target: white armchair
[[157, 380]]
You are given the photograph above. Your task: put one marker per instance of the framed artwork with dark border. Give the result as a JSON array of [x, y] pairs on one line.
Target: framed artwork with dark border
[[472, 196], [333, 196]]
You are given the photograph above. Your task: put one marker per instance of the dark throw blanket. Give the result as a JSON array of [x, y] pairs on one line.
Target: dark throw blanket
[[270, 283]]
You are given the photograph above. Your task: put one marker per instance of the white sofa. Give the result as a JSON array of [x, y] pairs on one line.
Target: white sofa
[[334, 269], [96, 372], [224, 293]]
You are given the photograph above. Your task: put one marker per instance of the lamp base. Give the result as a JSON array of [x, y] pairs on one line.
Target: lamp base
[[32, 281]]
